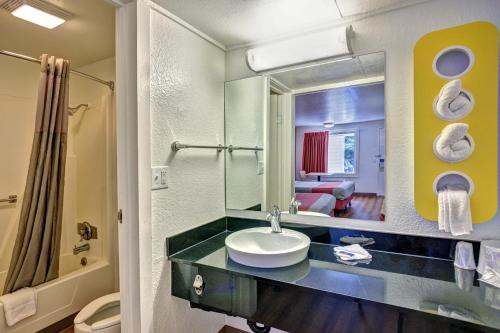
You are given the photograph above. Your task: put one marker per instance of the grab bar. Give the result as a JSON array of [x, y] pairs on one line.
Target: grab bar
[[231, 148], [176, 146], [11, 199]]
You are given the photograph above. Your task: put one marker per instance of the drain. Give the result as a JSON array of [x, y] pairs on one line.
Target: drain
[[83, 261]]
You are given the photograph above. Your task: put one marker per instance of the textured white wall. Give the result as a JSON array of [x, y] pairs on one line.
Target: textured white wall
[[396, 33], [187, 104], [367, 179]]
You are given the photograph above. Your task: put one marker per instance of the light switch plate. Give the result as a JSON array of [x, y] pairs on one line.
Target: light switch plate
[[159, 177], [260, 167]]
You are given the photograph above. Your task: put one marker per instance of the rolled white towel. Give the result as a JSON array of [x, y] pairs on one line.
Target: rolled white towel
[[453, 144], [452, 102]]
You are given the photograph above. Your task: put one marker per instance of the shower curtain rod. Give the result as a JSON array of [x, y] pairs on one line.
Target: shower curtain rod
[[110, 84]]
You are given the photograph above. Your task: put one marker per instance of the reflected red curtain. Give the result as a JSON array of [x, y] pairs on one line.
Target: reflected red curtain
[[315, 152]]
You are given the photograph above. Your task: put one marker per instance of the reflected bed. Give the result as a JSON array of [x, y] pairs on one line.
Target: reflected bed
[[316, 202], [342, 190]]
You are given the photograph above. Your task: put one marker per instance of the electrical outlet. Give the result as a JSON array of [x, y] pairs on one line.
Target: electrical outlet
[[159, 177]]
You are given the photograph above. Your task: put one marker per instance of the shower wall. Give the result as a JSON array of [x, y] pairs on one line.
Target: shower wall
[[18, 86], [91, 149], [90, 171]]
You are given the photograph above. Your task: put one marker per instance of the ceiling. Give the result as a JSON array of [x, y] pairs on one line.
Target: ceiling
[[239, 22], [340, 105], [365, 66], [86, 38]]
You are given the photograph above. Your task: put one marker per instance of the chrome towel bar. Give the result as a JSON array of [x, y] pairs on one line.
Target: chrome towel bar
[[11, 199], [231, 148], [176, 146]]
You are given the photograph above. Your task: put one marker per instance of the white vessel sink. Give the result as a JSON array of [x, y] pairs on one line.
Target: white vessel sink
[[260, 247]]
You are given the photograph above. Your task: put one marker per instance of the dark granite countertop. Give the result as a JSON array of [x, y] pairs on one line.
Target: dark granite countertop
[[404, 280]]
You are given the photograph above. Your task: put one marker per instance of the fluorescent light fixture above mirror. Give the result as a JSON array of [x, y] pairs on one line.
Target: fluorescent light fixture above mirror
[[299, 50], [37, 12]]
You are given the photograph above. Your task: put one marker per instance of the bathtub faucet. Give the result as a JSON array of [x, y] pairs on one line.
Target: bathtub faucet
[[78, 249]]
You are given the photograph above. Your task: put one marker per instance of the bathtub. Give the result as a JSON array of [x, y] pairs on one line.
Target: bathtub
[[59, 298]]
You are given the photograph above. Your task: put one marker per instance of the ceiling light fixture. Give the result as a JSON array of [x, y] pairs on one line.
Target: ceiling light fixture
[[328, 124], [37, 12], [299, 50]]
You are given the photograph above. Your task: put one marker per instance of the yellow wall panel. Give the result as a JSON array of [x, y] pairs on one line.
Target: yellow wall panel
[[482, 82]]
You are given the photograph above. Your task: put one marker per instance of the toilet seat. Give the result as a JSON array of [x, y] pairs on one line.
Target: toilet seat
[[105, 323], [93, 309]]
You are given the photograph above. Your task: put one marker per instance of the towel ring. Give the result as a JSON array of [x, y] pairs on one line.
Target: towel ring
[[469, 110], [453, 178], [463, 50], [472, 147]]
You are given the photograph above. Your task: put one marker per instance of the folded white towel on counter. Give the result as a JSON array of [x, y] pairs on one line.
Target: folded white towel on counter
[[450, 310], [19, 305], [489, 255], [351, 252], [491, 277], [452, 102], [361, 240], [454, 210], [457, 312], [489, 264], [354, 262], [453, 145]]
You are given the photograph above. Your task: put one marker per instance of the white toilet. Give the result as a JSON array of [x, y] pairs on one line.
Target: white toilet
[[100, 316]]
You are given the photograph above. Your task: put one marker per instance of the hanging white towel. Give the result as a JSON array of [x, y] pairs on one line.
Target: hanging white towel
[[19, 305], [454, 210], [452, 102], [453, 145]]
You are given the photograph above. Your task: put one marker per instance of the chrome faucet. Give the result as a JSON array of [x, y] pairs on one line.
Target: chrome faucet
[[293, 208], [274, 217], [78, 249]]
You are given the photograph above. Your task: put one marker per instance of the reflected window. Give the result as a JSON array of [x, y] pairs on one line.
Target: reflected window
[[342, 153]]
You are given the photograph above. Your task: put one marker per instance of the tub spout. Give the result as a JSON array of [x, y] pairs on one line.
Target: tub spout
[[78, 249]]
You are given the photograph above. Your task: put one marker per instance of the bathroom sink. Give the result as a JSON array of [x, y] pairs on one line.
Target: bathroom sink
[[260, 247]]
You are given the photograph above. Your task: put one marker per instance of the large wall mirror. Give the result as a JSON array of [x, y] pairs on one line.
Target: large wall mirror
[[310, 134]]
